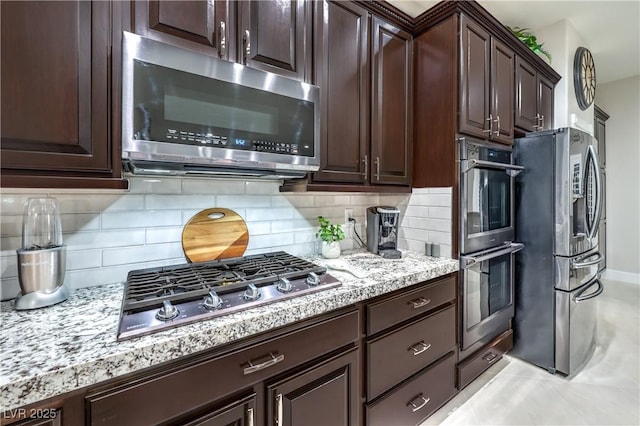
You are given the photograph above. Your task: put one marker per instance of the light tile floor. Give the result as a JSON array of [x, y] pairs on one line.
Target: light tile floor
[[605, 392]]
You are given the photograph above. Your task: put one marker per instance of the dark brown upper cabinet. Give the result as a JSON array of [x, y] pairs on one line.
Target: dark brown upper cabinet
[[366, 101], [267, 35], [534, 98], [60, 90], [486, 84]]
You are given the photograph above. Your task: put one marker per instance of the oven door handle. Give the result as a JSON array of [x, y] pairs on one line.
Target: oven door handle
[[468, 261], [510, 169]]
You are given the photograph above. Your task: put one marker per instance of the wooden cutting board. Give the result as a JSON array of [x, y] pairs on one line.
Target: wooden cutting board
[[214, 234]]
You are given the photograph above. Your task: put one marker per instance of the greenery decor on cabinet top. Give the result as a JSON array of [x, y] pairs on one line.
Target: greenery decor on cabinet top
[[527, 37]]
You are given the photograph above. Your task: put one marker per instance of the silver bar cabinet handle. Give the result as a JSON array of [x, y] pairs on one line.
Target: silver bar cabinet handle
[[537, 125], [252, 368], [420, 347], [250, 415], [490, 357], [377, 168], [541, 121], [415, 407], [497, 121], [279, 409], [246, 41], [419, 302], [366, 166], [222, 39], [490, 120]]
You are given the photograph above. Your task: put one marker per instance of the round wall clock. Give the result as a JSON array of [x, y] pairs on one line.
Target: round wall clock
[[584, 77]]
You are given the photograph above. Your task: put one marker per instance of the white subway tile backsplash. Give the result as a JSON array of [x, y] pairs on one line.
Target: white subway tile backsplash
[[332, 200], [9, 245], [293, 225], [446, 190], [439, 237], [295, 200], [72, 203], [416, 211], [364, 200], [15, 203], [9, 288], [277, 213], [9, 266], [171, 202], [439, 212], [262, 187], [270, 240], [122, 256], [414, 233], [11, 225], [164, 235], [213, 186], [259, 228], [97, 276], [142, 220], [308, 236], [83, 259], [233, 201], [103, 239]]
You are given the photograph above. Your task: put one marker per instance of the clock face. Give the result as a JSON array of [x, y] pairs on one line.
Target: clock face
[[584, 77]]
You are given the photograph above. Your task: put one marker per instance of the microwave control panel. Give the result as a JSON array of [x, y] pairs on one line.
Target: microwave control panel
[[209, 139]]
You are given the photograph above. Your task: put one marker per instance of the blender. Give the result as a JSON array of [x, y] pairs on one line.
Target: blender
[[42, 259]]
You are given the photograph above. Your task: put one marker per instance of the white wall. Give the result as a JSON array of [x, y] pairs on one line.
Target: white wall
[[561, 40], [109, 233], [621, 100]]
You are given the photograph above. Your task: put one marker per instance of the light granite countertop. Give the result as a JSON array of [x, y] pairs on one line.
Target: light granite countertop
[[51, 351]]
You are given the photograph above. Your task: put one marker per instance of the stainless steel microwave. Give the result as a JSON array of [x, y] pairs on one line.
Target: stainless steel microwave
[[184, 112]]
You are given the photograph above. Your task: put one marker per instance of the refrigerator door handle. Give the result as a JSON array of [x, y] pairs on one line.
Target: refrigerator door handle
[[511, 169], [579, 295], [468, 261], [580, 265], [594, 157]]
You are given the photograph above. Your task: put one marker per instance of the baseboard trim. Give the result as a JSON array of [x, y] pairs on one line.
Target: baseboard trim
[[627, 277]]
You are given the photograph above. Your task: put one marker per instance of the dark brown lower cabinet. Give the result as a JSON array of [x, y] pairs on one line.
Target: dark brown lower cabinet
[[322, 395], [241, 412], [416, 399]]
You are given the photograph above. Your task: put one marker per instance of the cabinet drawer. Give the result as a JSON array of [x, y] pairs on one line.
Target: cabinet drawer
[[391, 311], [484, 358], [397, 355], [180, 391], [417, 399]]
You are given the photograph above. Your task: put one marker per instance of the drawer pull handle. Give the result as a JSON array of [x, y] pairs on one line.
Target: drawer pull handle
[[418, 348], [250, 417], [252, 368], [420, 302], [280, 410], [490, 357], [422, 403]]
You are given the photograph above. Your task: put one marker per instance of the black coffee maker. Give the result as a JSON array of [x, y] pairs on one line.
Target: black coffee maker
[[382, 231]]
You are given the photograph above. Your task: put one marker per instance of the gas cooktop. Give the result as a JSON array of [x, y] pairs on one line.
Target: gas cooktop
[[159, 298]]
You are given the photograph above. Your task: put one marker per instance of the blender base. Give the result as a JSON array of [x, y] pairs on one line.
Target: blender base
[[36, 299]]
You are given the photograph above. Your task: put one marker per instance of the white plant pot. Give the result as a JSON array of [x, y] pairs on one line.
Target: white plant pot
[[331, 250]]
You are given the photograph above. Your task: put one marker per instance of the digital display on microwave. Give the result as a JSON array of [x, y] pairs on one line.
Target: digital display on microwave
[[180, 107]]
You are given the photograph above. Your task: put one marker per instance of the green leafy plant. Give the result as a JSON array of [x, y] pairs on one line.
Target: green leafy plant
[[329, 232], [527, 37]]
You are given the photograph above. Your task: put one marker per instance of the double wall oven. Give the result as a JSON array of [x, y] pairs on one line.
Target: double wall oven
[[487, 248]]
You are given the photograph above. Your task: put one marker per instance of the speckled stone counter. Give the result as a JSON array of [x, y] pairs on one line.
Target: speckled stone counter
[[72, 345]]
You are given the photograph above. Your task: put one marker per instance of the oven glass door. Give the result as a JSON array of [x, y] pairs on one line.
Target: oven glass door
[[486, 196], [487, 293]]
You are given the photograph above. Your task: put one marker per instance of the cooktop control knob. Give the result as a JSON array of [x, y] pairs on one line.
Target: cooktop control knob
[[284, 285], [167, 312], [251, 293], [313, 279], [212, 301]]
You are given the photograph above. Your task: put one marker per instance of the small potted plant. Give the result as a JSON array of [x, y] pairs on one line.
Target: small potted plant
[[331, 235]]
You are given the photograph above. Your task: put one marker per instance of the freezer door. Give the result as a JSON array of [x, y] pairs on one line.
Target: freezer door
[[579, 193], [572, 273], [576, 326]]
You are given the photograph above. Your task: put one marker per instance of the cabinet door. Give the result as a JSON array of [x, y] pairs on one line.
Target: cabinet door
[[238, 413], [342, 72], [502, 84], [474, 79], [391, 108], [56, 90], [526, 96], [545, 103], [201, 25], [323, 395], [273, 36]]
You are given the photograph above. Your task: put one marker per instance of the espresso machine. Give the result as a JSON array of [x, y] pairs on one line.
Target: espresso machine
[[382, 231], [42, 260]]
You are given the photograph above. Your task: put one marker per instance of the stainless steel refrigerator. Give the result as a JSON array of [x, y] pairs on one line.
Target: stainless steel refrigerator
[[558, 203]]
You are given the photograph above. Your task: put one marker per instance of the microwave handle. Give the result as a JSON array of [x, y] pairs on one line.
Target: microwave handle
[[511, 169], [246, 46], [467, 261], [222, 40]]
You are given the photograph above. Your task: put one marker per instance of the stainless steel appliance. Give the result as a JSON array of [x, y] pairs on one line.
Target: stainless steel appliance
[[185, 112], [559, 197], [42, 260], [159, 298], [487, 288], [382, 231], [486, 194]]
